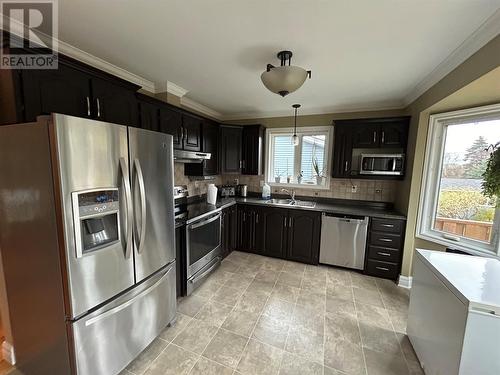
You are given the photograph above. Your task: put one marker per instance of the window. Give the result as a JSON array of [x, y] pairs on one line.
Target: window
[[453, 210], [305, 165]]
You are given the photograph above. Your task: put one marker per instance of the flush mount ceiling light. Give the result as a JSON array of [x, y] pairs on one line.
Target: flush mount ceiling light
[[286, 78], [295, 138]]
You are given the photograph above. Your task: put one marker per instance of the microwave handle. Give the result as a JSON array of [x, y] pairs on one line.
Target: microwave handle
[[393, 164]]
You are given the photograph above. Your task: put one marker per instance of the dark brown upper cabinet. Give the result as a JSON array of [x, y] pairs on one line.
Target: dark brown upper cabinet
[[191, 132], [230, 147], [149, 112], [209, 142], [171, 123], [386, 135], [252, 150], [113, 103]]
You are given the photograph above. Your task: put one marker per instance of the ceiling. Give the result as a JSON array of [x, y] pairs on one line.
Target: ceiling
[[363, 54]]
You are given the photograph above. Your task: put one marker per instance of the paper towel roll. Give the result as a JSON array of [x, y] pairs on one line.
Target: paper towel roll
[[211, 194]]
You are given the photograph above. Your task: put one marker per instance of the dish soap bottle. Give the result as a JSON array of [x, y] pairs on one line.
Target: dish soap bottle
[[266, 191]]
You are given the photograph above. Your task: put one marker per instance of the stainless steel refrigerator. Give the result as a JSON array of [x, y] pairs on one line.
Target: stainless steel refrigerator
[[87, 242]]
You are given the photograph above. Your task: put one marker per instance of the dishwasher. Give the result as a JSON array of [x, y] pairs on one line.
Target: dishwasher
[[343, 240]]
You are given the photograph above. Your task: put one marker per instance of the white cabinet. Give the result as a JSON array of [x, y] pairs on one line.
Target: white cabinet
[[454, 314]]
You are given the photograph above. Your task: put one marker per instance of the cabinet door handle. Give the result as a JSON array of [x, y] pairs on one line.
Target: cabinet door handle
[[375, 137], [241, 164], [284, 222], [257, 218], [385, 239], [98, 108], [88, 106], [383, 137], [345, 167], [384, 254], [382, 268], [290, 222], [387, 225]]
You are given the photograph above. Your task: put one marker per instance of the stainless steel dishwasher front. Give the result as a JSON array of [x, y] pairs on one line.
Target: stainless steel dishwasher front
[[343, 240]]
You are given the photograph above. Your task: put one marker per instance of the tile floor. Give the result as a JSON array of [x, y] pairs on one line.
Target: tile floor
[[259, 315]]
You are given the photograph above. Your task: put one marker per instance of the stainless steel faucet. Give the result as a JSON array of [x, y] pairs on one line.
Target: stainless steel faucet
[[291, 193]]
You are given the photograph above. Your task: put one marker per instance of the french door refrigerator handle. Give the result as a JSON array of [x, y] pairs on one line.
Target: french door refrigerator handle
[[142, 193], [128, 203]]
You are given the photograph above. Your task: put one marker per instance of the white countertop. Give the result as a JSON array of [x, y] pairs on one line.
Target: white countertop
[[474, 280]]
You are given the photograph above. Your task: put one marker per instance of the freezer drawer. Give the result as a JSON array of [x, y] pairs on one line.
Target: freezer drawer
[[107, 340]]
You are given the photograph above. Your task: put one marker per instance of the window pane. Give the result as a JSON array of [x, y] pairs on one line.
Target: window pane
[[283, 158], [313, 148], [462, 208]]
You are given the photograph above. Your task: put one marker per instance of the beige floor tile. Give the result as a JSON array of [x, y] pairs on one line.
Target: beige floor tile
[[379, 339], [339, 306], [259, 286], [385, 364], [239, 282], [340, 291], [315, 271], [315, 284], [252, 301], [330, 371], [273, 264], [214, 313], [338, 276], [236, 256], [181, 322], [374, 315], [294, 267], [204, 366], [271, 331], [308, 317], [196, 336], [399, 320], [259, 359], [294, 365], [315, 300], [414, 368], [207, 289], [269, 276], [364, 282], [173, 361], [220, 276], [148, 355], [396, 301], [344, 327], [225, 348], [370, 297], [191, 305], [306, 343], [229, 266], [278, 309], [406, 347], [249, 270], [227, 296], [290, 278], [285, 292], [344, 356], [241, 322]]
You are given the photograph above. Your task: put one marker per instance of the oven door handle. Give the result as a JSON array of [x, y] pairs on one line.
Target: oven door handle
[[204, 222]]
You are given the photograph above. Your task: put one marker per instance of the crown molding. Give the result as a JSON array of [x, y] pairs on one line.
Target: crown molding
[[368, 107], [478, 39], [171, 88], [200, 108]]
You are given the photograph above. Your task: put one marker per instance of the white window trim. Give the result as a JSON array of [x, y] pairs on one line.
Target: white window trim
[[309, 130], [430, 182]]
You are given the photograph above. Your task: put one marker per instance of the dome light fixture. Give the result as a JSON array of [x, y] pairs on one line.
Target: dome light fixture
[[285, 78], [295, 138]]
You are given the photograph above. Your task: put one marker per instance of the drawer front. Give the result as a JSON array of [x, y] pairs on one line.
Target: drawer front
[[382, 269], [385, 225], [385, 240], [383, 254]]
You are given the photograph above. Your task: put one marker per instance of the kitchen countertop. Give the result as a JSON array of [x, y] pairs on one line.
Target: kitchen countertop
[[473, 279], [199, 210]]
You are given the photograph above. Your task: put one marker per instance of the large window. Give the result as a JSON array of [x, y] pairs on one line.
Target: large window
[[453, 210], [305, 165]]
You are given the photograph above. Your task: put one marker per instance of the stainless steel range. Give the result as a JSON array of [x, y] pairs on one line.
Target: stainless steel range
[[200, 247]]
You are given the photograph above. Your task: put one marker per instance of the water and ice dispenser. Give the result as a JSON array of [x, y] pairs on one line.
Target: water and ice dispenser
[[96, 215]]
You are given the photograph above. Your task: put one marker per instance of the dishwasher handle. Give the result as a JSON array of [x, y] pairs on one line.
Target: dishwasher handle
[[346, 218]]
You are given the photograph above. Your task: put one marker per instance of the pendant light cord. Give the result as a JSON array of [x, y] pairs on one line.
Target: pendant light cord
[[295, 125]]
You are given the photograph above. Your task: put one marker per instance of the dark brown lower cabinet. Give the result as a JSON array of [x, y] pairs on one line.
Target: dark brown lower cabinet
[[229, 230], [277, 232]]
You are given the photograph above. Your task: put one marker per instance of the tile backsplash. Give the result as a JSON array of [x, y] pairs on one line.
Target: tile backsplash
[[369, 190]]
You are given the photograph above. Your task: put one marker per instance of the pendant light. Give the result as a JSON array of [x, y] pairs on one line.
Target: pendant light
[[286, 78], [295, 138]]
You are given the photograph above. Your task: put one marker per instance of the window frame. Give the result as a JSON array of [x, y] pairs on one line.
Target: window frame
[[429, 192], [301, 131]]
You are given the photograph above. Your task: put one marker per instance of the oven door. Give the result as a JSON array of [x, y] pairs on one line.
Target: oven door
[[203, 240]]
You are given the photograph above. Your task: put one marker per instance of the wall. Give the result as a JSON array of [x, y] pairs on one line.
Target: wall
[[468, 85]]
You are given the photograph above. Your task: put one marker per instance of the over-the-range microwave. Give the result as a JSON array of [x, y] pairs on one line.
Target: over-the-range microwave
[[382, 164]]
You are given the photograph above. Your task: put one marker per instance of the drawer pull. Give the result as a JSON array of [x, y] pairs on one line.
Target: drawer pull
[[385, 239], [382, 268], [384, 254], [387, 225]]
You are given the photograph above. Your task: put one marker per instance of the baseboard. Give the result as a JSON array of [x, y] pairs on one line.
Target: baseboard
[[8, 353], [405, 281]]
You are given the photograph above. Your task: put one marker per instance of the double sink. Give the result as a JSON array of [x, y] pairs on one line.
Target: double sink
[[291, 202]]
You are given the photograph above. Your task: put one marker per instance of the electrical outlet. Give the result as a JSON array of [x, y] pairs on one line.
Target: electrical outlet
[[354, 189], [378, 191]]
